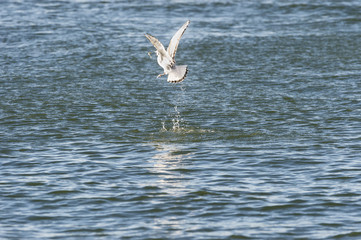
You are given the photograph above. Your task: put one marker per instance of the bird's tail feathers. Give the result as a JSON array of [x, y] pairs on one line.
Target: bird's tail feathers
[[177, 74]]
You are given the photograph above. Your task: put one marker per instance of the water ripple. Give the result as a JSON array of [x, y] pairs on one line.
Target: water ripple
[[261, 141]]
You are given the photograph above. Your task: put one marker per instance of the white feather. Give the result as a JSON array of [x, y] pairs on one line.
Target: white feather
[[177, 74]]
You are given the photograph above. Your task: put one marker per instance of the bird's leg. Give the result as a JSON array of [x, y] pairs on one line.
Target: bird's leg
[[160, 75]]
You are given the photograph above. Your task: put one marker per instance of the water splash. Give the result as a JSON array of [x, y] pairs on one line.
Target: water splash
[[177, 119], [164, 129], [175, 115]]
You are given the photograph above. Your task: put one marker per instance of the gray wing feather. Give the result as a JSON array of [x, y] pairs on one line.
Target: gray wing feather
[[173, 44]]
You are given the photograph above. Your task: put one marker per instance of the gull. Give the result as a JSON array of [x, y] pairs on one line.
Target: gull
[[166, 58]]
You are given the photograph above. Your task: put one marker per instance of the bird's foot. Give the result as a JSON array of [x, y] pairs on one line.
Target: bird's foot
[[160, 75]]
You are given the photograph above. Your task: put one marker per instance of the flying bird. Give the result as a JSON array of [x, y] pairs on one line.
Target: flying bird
[[166, 58]]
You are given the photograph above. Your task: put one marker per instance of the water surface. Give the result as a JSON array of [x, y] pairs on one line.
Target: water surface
[[261, 140]]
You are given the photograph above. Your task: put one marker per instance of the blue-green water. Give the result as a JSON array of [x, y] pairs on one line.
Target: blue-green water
[[261, 141]]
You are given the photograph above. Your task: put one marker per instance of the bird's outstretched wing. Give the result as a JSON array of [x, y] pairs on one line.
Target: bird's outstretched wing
[[173, 44], [159, 46]]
